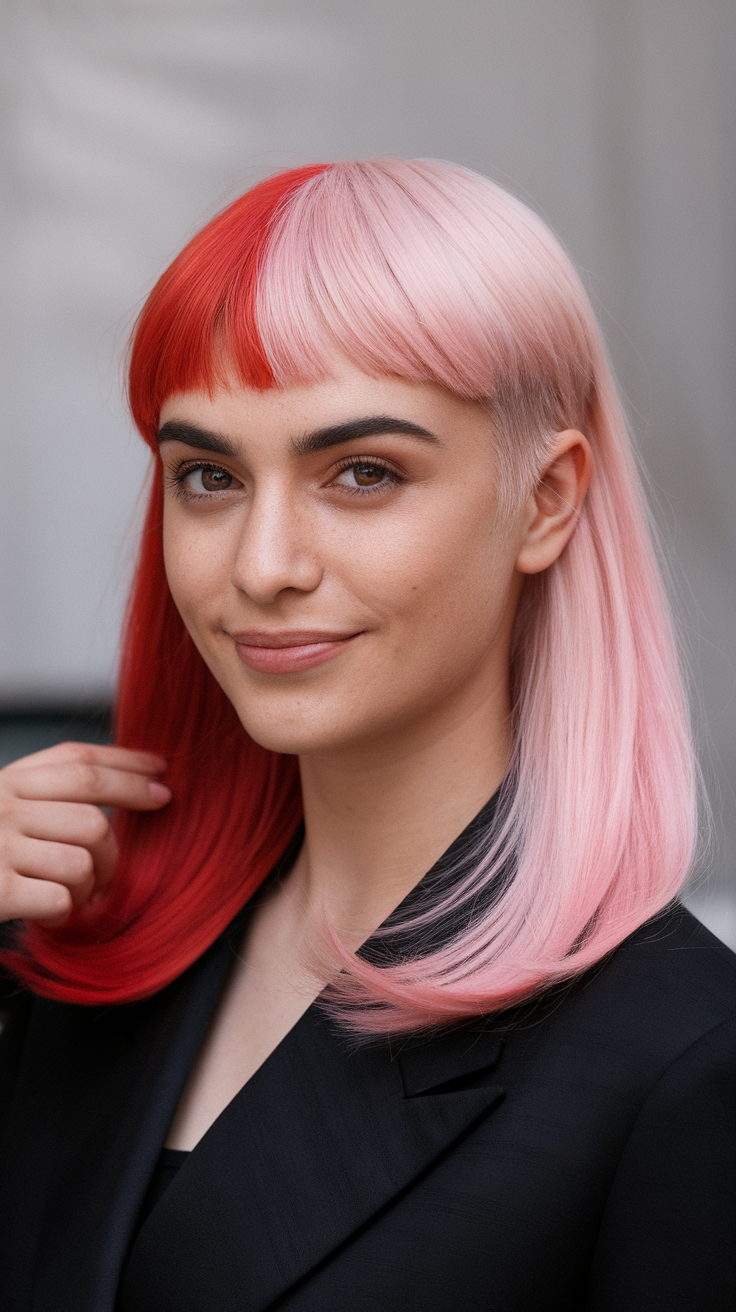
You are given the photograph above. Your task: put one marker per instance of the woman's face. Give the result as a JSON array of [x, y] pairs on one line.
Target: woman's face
[[333, 552]]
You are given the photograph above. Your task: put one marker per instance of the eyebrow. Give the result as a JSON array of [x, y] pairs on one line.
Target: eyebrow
[[202, 439], [175, 430], [354, 429]]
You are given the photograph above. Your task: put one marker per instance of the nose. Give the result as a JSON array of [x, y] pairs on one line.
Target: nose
[[277, 549]]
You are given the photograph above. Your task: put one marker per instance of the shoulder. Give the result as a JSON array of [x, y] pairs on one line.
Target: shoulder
[[74, 1049], [671, 975], [666, 1231], [666, 994]]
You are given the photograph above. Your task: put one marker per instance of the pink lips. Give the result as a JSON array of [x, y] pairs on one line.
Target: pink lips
[[288, 651]]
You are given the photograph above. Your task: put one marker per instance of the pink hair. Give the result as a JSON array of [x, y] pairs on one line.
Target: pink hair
[[427, 271]]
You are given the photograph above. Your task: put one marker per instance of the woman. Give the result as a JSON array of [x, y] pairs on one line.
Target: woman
[[452, 1042]]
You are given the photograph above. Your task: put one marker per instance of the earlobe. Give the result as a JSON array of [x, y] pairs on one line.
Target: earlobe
[[554, 505]]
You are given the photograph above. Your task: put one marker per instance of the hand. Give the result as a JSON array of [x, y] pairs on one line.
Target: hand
[[57, 848]]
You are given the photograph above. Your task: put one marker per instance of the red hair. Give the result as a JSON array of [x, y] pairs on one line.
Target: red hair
[[185, 871]]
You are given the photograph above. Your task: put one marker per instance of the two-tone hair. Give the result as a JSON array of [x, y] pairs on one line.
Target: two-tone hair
[[429, 272]]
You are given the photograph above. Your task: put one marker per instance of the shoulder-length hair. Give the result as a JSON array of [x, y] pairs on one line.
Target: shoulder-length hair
[[425, 271]]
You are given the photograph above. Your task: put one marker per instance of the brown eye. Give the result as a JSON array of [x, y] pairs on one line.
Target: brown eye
[[368, 475], [215, 480], [208, 478]]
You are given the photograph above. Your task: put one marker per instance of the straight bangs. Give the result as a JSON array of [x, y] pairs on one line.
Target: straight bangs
[[205, 301], [428, 272], [424, 271]]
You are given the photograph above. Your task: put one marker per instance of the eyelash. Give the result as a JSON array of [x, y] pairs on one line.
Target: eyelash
[[182, 471], [373, 462]]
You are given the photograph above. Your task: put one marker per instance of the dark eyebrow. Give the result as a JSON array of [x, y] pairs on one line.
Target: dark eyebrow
[[175, 430], [354, 429]]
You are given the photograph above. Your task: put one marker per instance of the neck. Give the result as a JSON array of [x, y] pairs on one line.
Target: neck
[[377, 817]]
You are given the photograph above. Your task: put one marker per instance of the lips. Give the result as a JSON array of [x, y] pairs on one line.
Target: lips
[[289, 650]]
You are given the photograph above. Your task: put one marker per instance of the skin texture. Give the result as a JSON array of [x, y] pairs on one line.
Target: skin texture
[[390, 542]]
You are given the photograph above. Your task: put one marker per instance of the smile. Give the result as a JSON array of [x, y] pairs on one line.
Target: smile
[[287, 652]]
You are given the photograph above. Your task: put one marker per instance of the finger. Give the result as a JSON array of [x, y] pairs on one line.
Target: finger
[[77, 823], [59, 862], [60, 822], [34, 899], [117, 758], [76, 781], [105, 859]]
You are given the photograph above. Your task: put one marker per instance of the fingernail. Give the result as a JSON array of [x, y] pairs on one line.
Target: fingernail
[[159, 792]]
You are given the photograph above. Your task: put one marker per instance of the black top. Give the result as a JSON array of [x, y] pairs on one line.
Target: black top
[[169, 1161], [576, 1155]]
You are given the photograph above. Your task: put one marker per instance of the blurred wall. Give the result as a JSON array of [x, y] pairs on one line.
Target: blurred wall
[[127, 123]]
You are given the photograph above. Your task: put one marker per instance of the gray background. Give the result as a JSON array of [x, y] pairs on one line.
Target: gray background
[[127, 123]]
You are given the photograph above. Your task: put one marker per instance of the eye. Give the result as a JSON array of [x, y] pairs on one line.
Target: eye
[[368, 475], [365, 475], [201, 480]]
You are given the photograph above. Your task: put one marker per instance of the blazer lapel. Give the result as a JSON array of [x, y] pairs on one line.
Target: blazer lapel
[[113, 1139], [321, 1138]]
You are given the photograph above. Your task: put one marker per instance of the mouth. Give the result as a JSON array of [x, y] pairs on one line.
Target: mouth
[[287, 651]]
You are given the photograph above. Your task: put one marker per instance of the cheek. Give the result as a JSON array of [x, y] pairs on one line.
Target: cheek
[[194, 569], [445, 610], [448, 569]]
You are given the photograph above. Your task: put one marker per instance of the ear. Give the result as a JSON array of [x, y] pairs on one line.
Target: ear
[[554, 505]]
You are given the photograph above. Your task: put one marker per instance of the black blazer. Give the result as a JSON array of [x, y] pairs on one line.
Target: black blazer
[[576, 1154]]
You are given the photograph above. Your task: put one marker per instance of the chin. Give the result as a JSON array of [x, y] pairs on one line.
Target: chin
[[272, 736], [299, 729], [295, 739]]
